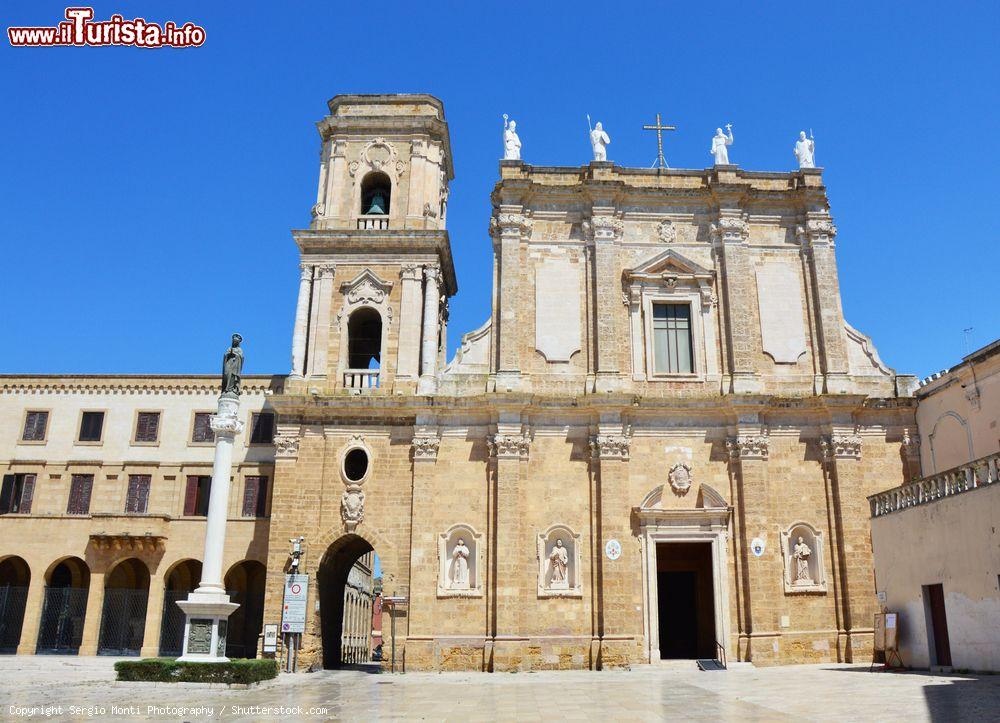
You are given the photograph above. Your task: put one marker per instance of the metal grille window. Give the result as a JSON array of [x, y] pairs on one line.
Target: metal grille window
[[137, 498], [147, 427], [262, 428], [91, 426], [17, 493], [672, 339], [202, 428], [35, 424], [79, 494], [255, 496]]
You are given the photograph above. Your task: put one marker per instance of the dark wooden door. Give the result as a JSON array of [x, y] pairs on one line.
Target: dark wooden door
[[939, 624]]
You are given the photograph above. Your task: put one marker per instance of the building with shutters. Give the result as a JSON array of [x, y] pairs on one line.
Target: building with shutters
[[619, 466]]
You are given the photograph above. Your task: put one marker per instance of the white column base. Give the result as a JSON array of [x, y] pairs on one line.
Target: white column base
[[206, 623]]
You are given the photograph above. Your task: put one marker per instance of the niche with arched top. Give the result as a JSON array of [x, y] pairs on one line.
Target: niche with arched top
[[559, 563], [376, 194], [460, 562], [802, 552]]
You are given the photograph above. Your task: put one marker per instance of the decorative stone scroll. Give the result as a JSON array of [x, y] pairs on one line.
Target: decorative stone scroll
[[841, 446], [460, 553], [506, 224], [425, 447], [748, 446], [286, 445], [365, 289], [378, 155], [510, 446], [730, 229], [559, 563], [603, 228], [610, 446], [802, 552]]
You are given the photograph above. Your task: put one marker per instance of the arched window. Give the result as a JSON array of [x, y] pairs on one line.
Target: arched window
[[376, 192], [364, 339]]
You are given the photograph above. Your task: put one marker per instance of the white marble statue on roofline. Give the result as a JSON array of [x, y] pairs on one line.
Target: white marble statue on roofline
[[805, 150], [511, 141], [599, 141], [719, 145]]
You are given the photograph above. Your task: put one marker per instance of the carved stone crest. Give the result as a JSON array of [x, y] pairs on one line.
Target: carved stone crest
[[352, 508], [666, 231], [680, 478]]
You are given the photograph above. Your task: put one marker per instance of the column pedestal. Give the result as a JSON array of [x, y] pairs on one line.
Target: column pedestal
[[207, 609]]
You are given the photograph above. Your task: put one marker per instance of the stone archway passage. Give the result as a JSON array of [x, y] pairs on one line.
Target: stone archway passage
[[334, 571], [123, 619], [181, 580], [64, 608], [245, 586], [14, 579]]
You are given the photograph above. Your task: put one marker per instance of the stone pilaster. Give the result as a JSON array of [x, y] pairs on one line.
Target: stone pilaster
[[95, 611], [618, 601], [154, 614], [604, 229], [762, 599], [410, 313], [319, 340], [301, 330], [730, 234], [842, 451], [419, 164], [429, 343], [817, 239], [511, 553], [509, 229], [423, 548], [32, 616], [911, 454]]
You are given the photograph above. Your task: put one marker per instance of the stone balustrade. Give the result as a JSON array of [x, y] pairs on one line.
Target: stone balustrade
[[373, 222], [361, 378], [979, 473]]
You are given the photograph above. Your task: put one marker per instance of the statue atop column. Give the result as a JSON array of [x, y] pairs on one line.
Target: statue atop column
[[599, 141], [805, 150], [801, 553], [511, 142], [719, 143], [232, 368]]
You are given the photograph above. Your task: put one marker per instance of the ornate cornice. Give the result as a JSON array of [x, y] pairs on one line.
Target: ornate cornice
[[506, 224], [149, 385], [819, 230], [603, 228], [841, 446], [425, 447], [730, 229], [286, 446], [509, 446], [749, 446], [610, 446]]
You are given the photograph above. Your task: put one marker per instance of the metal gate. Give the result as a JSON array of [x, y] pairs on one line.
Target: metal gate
[[12, 601], [245, 624], [63, 613], [172, 624], [123, 621]]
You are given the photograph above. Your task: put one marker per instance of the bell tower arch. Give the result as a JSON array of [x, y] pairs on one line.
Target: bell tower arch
[[376, 259]]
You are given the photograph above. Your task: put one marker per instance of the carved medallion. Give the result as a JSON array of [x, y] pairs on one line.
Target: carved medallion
[[680, 478]]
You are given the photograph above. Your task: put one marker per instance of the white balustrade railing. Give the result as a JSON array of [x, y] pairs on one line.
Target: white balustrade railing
[[373, 222], [361, 379], [980, 473]]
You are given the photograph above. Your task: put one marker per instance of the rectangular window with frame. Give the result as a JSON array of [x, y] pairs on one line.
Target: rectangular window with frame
[[16, 494], [147, 427], [672, 349], [91, 427], [196, 495], [35, 426], [202, 430], [137, 497], [262, 428], [255, 496], [80, 488]]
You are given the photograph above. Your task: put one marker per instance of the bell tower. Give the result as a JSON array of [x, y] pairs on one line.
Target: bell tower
[[376, 261]]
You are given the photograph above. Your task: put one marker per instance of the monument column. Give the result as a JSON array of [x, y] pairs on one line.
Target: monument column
[[763, 594], [207, 609], [301, 331], [618, 560], [508, 579], [429, 346]]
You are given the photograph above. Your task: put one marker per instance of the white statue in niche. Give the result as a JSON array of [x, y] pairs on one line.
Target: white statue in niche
[[599, 141], [511, 141], [805, 150], [559, 562], [460, 566], [719, 145], [801, 553]]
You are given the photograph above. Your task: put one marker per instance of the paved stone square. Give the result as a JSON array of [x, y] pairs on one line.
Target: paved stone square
[[807, 692]]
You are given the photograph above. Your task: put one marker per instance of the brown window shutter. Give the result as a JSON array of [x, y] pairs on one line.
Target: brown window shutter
[[250, 493], [143, 501], [7, 494], [34, 426], [27, 494], [191, 495], [147, 426], [79, 494], [261, 496]]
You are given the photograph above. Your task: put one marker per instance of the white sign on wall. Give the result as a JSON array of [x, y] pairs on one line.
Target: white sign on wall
[[757, 546], [613, 549], [270, 638], [293, 610]]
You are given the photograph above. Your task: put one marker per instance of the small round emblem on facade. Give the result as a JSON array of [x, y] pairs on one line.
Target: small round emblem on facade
[[613, 549], [680, 478], [757, 546]]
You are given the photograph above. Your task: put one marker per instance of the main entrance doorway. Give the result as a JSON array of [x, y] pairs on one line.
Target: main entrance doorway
[[686, 600], [347, 579]]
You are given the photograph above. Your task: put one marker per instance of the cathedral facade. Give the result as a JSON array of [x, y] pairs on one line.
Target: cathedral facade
[[659, 445]]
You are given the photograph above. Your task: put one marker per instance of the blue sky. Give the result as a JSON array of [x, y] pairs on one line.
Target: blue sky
[[146, 196]]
